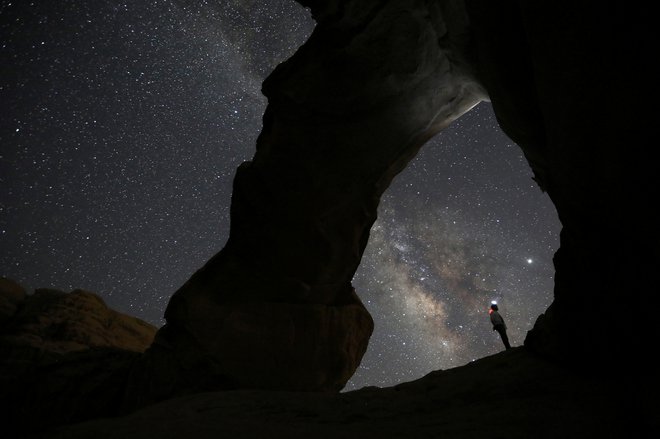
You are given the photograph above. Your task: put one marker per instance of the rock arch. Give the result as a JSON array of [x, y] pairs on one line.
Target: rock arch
[[275, 308]]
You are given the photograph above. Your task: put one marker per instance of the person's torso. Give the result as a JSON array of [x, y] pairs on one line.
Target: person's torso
[[496, 318]]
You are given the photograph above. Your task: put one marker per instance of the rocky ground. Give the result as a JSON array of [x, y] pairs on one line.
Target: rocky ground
[[509, 395], [66, 358]]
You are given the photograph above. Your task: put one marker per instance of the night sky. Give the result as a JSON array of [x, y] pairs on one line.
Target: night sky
[[123, 124]]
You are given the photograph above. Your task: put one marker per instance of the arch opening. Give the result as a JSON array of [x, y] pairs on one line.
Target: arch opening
[[462, 225]]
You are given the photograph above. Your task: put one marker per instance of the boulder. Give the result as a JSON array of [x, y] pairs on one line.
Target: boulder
[[64, 357], [59, 322]]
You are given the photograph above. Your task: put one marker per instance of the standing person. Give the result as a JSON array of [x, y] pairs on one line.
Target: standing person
[[498, 324]]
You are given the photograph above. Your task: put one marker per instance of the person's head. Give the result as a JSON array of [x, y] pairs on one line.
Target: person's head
[[493, 306]]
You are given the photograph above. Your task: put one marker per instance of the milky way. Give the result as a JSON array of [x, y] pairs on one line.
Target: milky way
[[122, 126]]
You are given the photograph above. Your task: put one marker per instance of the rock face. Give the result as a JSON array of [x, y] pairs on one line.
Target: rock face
[[64, 357], [569, 89], [58, 322], [11, 296]]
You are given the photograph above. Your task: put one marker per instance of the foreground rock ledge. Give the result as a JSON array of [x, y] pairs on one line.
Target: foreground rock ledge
[[511, 395]]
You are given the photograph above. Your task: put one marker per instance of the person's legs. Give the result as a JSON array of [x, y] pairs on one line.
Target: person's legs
[[505, 338]]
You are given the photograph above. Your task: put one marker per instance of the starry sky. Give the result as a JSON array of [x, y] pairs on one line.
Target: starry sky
[[123, 123]]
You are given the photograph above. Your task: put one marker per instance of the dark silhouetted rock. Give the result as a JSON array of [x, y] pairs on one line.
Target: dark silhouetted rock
[[514, 395], [584, 122], [11, 296], [59, 322], [64, 357]]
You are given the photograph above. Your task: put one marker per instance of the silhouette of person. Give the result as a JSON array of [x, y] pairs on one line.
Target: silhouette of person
[[498, 324]]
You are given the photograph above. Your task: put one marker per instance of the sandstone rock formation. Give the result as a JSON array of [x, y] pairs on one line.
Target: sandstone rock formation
[[64, 357], [571, 83], [58, 322], [11, 296]]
